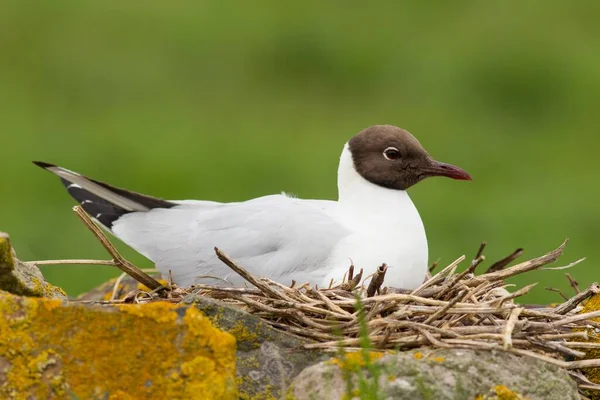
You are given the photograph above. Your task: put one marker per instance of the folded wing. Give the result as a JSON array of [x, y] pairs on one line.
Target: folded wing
[[277, 236]]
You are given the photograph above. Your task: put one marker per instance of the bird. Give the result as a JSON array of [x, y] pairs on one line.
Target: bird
[[282, 237]]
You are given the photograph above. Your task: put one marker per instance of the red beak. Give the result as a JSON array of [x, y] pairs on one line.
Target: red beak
[[442, 169]]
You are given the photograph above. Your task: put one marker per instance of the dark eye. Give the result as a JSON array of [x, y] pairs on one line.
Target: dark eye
[[391, 153]]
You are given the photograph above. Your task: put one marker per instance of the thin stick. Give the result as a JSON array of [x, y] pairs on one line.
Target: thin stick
[[480, 251], [571, 265], [576, 318], [501, 300], [72, 262], [439, 276], [569, 335], [266, 289], [501, 264], [509, 327], [444, 309], [170, 280], [113, 295], [579, 364], [578, 298], [573, 282], [432, 339], [352, 283], [119, 261], [555, 290], [532, 354], [332, 306], [350, 272], [377, 280], [520, 268], [475, 263], [456, 279], [581, 345], [240, 290], [558, 347], [434, 266]]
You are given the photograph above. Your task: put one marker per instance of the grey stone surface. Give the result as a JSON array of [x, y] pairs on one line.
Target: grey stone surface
[[440, 374]]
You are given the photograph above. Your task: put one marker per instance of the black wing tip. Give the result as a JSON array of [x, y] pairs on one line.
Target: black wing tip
[[43, 164]]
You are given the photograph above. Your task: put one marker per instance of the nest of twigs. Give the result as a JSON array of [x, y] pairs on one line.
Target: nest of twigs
[[451, 309]]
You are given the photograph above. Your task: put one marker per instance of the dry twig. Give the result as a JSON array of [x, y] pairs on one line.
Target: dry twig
[[119, 261]]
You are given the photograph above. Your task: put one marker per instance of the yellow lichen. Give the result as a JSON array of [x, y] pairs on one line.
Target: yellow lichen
[[355, 360], [144, 288], [266, 394], [29, 285], [156, 350], [505, 393], [6, 258], [44, 289], [418, 356], [107, 287], [501, 392], [242, 334], [289, 395], [593, 374]]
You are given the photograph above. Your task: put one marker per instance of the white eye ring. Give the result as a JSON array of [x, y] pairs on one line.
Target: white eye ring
[[391, 153]]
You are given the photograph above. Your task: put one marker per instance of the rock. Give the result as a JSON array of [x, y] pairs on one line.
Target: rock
[[267, 359], [593, 374], [22, 278], [55, 349], [435, 374]]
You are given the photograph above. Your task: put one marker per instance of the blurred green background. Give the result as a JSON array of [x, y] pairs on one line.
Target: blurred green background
[[229, 100]]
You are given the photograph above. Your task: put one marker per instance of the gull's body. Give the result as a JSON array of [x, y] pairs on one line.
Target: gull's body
[[277, 236], [287, 238]]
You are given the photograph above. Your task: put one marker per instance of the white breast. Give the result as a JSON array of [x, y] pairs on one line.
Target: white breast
[[386, 226]]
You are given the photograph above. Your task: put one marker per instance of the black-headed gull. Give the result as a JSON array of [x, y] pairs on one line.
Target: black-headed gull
[[280, 237]]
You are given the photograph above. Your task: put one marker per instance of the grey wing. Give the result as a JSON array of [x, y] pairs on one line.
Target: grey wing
[[276, 236]]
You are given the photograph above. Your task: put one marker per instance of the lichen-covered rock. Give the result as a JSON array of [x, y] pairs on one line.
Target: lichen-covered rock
[[23, 278], [51, 349], [593, 374], [435, 374], [267, 359]]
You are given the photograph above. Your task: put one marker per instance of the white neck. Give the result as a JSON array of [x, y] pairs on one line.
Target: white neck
[[367, 202]]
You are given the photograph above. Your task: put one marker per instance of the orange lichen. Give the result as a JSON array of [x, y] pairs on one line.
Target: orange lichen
[[157, 350], [418, 355]]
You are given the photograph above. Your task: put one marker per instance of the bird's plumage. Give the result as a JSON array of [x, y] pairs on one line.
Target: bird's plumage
[[278, 236], [275, 236]]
